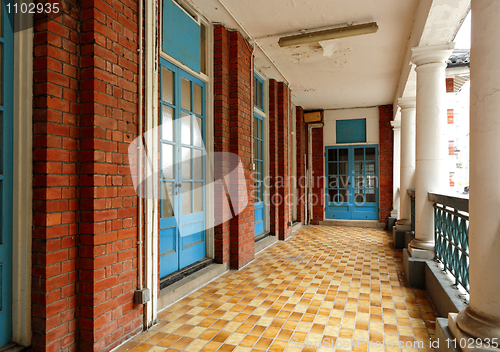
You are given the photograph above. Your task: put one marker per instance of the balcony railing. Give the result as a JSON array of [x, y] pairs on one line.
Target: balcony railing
[[451, 235]]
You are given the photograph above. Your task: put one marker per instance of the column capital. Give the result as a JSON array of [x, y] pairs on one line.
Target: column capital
[[396, 124], [431, 54], [407, 102]]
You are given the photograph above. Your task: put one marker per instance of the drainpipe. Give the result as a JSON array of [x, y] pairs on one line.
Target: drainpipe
[[139, 169], [310, 178]]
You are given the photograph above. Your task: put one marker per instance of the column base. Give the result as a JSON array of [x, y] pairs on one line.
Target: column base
[[414, 270], [477, 325], [421, 249], [452, 338], [403, 225], [391, 222]]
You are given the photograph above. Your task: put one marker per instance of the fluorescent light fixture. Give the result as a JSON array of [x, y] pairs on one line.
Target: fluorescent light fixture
[[329, 34]]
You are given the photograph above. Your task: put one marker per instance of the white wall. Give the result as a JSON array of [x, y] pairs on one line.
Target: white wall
[[372, 124]]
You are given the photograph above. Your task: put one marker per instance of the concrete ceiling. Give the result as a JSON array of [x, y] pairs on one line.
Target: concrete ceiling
[[350, 72]]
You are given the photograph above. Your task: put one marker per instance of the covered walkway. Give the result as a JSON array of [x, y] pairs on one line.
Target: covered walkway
[[336, 286]]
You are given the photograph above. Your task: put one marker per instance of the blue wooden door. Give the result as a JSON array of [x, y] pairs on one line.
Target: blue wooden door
[[182, 218], [258, 150], [352, 182], [6, 130], [258, 155]]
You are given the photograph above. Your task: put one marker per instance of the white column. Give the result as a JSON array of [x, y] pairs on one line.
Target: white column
[[482, 316], [408, 143], [396, 127], [430, 172]]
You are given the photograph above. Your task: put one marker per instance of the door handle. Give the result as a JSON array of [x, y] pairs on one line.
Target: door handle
[[178, 185]]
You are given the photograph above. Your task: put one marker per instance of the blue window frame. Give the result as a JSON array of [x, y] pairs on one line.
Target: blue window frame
[[6, 177], [258, 92]]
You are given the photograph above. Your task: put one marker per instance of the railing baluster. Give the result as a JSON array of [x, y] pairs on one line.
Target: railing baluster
[[451, 235]]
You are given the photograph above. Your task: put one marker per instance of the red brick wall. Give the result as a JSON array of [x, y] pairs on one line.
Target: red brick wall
[[273, 157], [318, 184], [450, 115], [233, 118], [85, 208], [386, 155], [284, 162], [449, 85], [301, 143]]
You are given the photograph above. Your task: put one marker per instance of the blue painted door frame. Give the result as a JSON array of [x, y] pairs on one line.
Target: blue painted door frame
[[258, 156], [352, 182], [182, 219], [6, 182]]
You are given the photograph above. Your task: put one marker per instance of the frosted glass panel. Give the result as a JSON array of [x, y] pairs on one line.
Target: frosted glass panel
[[186, 163], [167, 154], [186, 198], [197, 99], [167, 86], [197, 164], [198, 197], [167, 123], [197, 133], [168, 199], [186, 129], [185, 94]]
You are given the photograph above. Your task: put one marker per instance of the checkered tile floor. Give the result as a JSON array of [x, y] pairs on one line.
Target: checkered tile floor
[[325, 289]]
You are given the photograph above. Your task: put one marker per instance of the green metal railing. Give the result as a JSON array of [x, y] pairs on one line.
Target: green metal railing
[[451, 235]]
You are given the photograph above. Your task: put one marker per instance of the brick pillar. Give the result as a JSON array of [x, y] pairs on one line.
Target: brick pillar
[[221, 141], [300, 131], [85, 207], [386, 146], [273, 156], [55, 184], [318, 176], [284, 162], [234, 239]]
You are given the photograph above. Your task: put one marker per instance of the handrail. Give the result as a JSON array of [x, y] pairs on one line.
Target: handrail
[[459, 202]]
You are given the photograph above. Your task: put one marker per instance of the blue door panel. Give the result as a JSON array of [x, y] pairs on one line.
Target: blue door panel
[[183, 219], [352, 182]]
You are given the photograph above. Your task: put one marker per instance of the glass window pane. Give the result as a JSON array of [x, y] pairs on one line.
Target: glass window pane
[[197, 99], [185, 94], [186, 163], [370, 196], [332, 195], [198, 133], [168, 200], [359, 168], [255, 127], [343, 169], [186, 128], [255, 149], [343, 181], [343, 154], [359, 154], [167, 123], [1, 138], [261, 171], [187, 202], [359, 182], [167, 86], [198, 164], [359, 196], [343, 196], [332, 168], [333, 182], [370, 168], [198, 197], [371, 181], [167, 158], [332, 155], [370, 153]]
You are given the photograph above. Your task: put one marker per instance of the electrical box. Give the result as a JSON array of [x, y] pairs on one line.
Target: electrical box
[[314, 116], [142, 296]]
